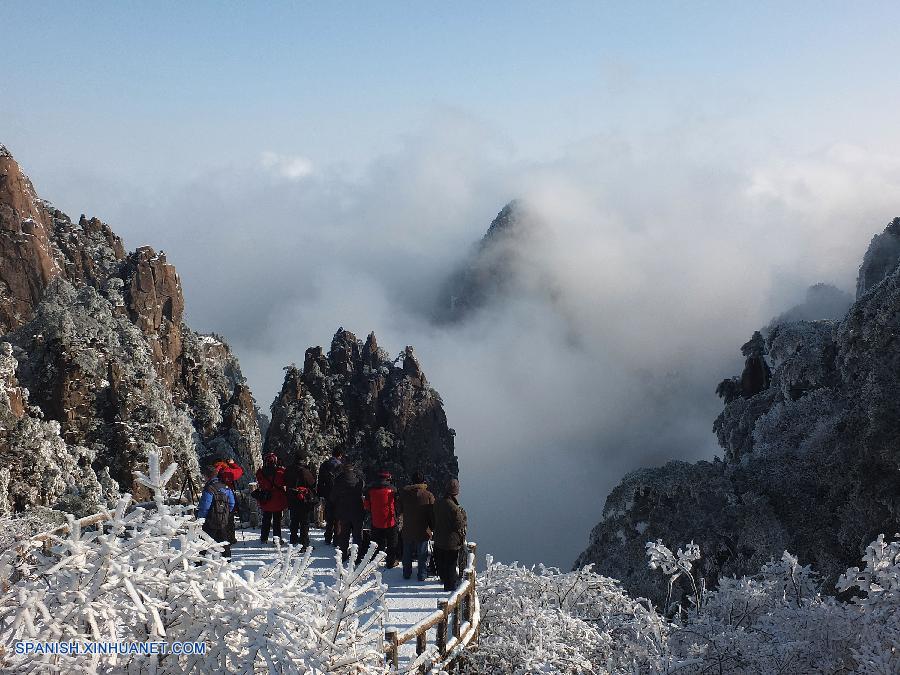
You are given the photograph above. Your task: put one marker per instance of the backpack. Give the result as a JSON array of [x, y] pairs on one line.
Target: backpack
[[218, 518]]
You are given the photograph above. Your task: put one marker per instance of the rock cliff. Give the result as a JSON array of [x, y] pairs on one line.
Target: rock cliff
[[98, 364], [809, 432]]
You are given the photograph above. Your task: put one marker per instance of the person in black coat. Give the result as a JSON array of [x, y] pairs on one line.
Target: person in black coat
[[347, 501], [300, 485], [327, 473], [450, 523]]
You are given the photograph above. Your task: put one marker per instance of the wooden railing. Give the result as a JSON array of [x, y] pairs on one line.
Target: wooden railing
[[455, 622]]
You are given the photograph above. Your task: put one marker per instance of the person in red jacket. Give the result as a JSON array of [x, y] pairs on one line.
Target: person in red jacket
[[270, 483], [381, 502]]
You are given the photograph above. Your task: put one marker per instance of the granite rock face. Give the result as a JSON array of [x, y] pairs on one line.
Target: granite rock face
[[382, 412], [812, 460], [99, 364]]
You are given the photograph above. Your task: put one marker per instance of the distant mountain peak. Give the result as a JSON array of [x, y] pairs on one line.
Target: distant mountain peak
[[490, 269], [506, 222]]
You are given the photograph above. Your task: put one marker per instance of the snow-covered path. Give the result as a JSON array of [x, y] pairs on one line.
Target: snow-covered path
[[408, 601]]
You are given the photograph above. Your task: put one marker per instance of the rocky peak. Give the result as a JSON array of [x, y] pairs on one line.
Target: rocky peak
[[28, 260], [16, 191], [39, 243], [371, 354], [494, 268], [881, 258], [412, 369], [382, 412], [506, 222]]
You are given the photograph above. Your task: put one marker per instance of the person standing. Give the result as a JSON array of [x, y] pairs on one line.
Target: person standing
[[300, 485], [449, 535], [215, 507], [417, 506], [327, 472], [230, 473], [271, 496], [346, 498], [381, 502]]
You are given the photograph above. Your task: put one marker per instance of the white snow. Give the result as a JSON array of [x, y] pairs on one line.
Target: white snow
[[408, 600]]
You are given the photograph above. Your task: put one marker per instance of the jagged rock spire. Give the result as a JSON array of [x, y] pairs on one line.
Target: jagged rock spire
[[382, 412]]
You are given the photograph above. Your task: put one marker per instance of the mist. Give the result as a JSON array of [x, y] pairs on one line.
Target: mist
[[663, 253]]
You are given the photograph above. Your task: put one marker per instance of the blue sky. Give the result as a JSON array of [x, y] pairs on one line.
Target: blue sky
[[145, 89]]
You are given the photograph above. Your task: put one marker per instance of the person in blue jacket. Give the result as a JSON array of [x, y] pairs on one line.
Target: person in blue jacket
[[216, 505]]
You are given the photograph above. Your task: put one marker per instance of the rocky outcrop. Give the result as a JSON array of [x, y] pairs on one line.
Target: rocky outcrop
[[812, 463], [491, 269], [382, 412], [111, 370], [881, 258], [28, 260], [155, 304]]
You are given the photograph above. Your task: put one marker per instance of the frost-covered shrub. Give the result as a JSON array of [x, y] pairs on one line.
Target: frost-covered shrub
[[153, 574], [676, 566], [879, 583], [778, 621], [543, 620]]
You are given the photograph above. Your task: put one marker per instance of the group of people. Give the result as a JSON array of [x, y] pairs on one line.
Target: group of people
[[409, 524]]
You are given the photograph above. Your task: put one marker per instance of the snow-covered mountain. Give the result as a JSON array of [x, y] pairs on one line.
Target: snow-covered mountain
[[811, 457], [98, 365]]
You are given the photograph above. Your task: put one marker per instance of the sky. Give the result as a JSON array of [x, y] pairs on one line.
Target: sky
[[696, 166]]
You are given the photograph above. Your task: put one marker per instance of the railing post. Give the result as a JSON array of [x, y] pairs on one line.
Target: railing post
[[457, 624], [470, 596], [472, 546], [421, 643], [391, 657], [442, 629]]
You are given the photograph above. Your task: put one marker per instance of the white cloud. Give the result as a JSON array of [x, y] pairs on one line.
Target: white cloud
[[285, 166], [665, 254]]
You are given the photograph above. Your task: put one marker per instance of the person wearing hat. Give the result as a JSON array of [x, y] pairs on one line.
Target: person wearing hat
[[449, 535], [300, 485], [271, 496], [381, 502]]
